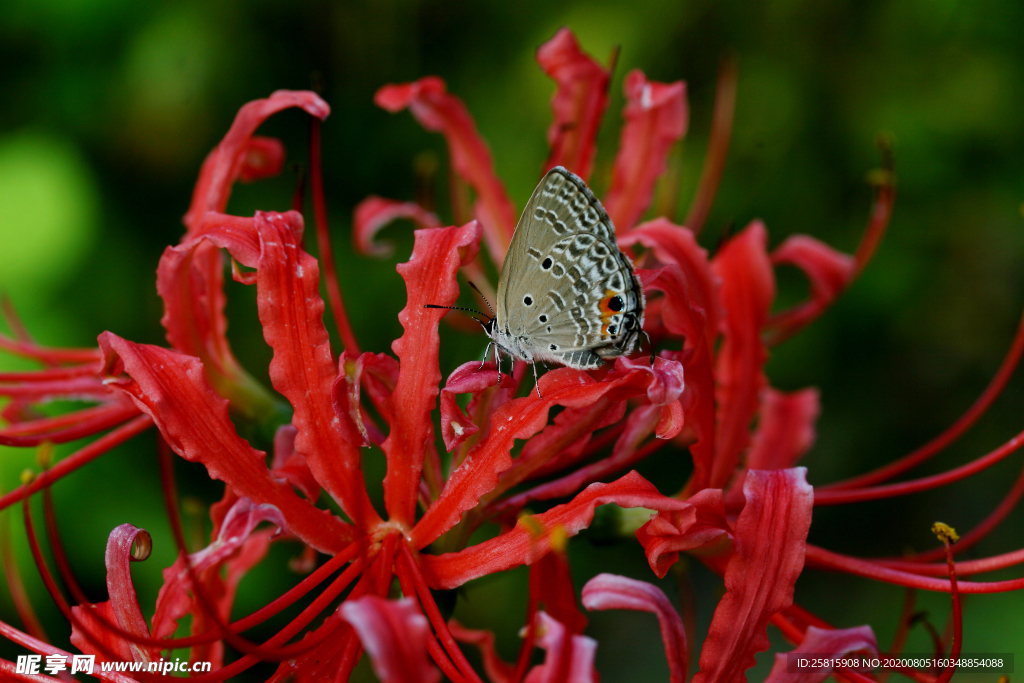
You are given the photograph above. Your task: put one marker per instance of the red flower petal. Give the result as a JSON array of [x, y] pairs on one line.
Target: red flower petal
[[578, 104], [236, 548], [171, 389], [785, 429], [640, 423], [345, 397], [671, 421], [698, 522], [823, 643], [517, 419], [608, 591], [192, 284], [682, 317], [190, 281], [498, 670], [263, 158], [430, 278], [374, 213], [331, 658], [291, 466], [551, 589], [123, 607], [829, 272], [232, 156], [469, 377], [771, 534], [531, 538], [438, 111], [569, 659], [676, 244], [394, 634], [656, 117], [748, 288], [291, 311]]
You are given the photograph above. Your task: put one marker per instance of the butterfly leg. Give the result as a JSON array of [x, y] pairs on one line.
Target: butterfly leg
[[536, 382], [649, 344], [497, 361], [487, 350]]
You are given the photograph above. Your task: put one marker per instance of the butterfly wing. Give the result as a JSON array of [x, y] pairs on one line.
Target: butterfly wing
[[566, 290]]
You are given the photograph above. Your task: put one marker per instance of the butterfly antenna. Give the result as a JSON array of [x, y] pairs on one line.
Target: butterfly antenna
[[457, 308], [477, 289]]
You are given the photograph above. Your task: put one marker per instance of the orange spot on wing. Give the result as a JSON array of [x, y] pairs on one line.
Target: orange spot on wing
[[606, 312]]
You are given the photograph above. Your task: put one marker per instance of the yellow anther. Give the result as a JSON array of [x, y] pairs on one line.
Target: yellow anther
[[44, 454], [559, 538], [945, 533], [27, 476], [532, 525]]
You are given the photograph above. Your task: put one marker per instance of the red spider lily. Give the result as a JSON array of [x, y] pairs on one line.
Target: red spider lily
[[745, 506]]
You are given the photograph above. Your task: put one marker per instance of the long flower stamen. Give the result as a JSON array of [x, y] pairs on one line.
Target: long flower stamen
[[323, 239]]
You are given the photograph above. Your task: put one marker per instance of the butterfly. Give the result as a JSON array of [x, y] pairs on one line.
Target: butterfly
[[566, 294]]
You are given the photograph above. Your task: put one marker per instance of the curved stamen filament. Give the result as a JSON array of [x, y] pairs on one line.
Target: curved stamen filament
[[78, 459], [955, 430], [837, 497]]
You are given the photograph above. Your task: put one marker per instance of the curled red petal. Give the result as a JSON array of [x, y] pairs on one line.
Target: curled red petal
[[578, 104], [608, 591], [671, 420], [517, 419], [292, 466], [374, 213], [430, 278], [174, 600], [345, 396], [698, 522], [824, 643], [263, 158], [439, 111], [172, 389], [123, 606], [748, 288], [569, 658], [469, 377], [302, 369], [394, 634], [676, 244], [829, 272], [666, 384], [226, 163], [656, 117], [531, 538], [770, 537]]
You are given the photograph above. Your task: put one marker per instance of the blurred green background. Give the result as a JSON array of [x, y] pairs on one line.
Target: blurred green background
[[109, 107]]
